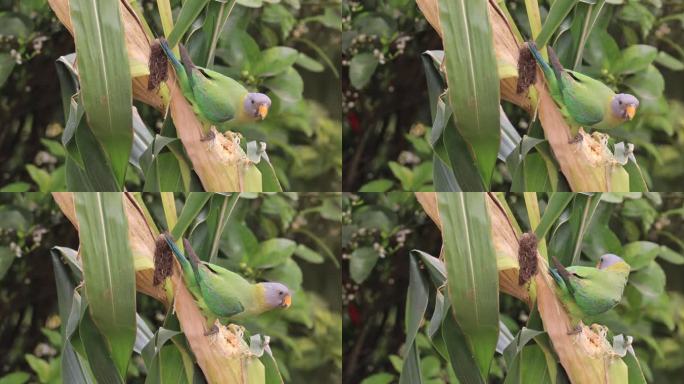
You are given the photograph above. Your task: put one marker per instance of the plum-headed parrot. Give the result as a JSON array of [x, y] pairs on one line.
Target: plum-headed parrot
[[216, 98], [584, 101], [223, 294]]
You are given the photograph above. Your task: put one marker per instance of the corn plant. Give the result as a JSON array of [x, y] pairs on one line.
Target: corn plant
[[458, 259], [107, 142], [103, 336]]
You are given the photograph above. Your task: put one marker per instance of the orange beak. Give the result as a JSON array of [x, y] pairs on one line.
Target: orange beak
[[287, 301], [262, 111], [631, 110]]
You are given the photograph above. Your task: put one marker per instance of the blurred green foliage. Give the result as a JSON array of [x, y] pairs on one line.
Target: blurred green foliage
[[296, 237], [289, 48], [634, 46], [380, 229]]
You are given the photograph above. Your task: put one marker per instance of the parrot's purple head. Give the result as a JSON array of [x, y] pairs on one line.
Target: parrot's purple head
[[276, 295], [624, 106], [609, 259], [256, 105]]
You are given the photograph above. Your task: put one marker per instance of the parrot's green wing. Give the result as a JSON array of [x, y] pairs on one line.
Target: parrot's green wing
[[584, 97], [221, 295], [595, 291], [212, 96]]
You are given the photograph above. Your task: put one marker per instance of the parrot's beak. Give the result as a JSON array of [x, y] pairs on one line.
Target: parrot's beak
[[287, 301], [262, 111], [630, 111]]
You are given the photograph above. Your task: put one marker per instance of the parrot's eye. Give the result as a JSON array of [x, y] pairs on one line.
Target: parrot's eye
[[280, 293], [252, 101], [619, 102]]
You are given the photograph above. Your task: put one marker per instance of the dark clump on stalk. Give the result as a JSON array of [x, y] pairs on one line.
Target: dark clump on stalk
[[527, 70], [158, 66], [527, 257], [163, 260]]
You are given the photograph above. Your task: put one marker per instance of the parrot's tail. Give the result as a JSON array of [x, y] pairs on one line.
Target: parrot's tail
[[548, 71], [176, 251], [174, 60]]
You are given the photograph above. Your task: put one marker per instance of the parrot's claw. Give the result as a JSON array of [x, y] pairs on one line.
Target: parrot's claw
[[214, 330], [576, 331], [577, 139], [209, 136]]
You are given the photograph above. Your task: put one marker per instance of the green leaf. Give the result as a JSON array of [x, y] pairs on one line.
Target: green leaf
[[472, 273], [288, 85], [309, 63], [40, 177], [106, 88], [665, 59], [666, 253], [7, 64], [379, 378], [206, 236], [463, 361], [361, 263], [167, 367], [378, 185], [554, 208], [192, 207], [650, 281], [361, 69], [68, 304], [568, 236], [6, 259], [275, 60], [99, 356], [272, 252], [308, 254], [634, 59], [416, 304], [189, 12], [639, 254], [18, 186], [108, 270], [473, 80], [287, 273], [15, 378], [40, 367], [559, 10]]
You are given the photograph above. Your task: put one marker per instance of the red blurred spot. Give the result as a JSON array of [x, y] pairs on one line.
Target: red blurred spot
[[353, 120], [354, 314]]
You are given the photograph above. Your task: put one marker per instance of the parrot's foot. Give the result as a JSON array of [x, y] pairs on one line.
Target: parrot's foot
[[209, 136], [212, 331], [577, 139], [576, 331]]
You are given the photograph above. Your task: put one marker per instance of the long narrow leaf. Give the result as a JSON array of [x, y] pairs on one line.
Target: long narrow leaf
[[473, 79], [108, 269], [105, 76], [72, 370], [462, 360], [556, 205], [416, 304], [96, 347], [471, 272], [191, 9], [559, 10], [193, 205]]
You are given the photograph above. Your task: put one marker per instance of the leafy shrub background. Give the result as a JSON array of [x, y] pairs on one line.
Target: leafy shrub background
[[306, 339], [302, 131], [635, 46], [379, 230]]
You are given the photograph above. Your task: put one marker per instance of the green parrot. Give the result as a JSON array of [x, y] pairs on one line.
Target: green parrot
[[216, 98], [224, 294], [583, 100], [588, 291]]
